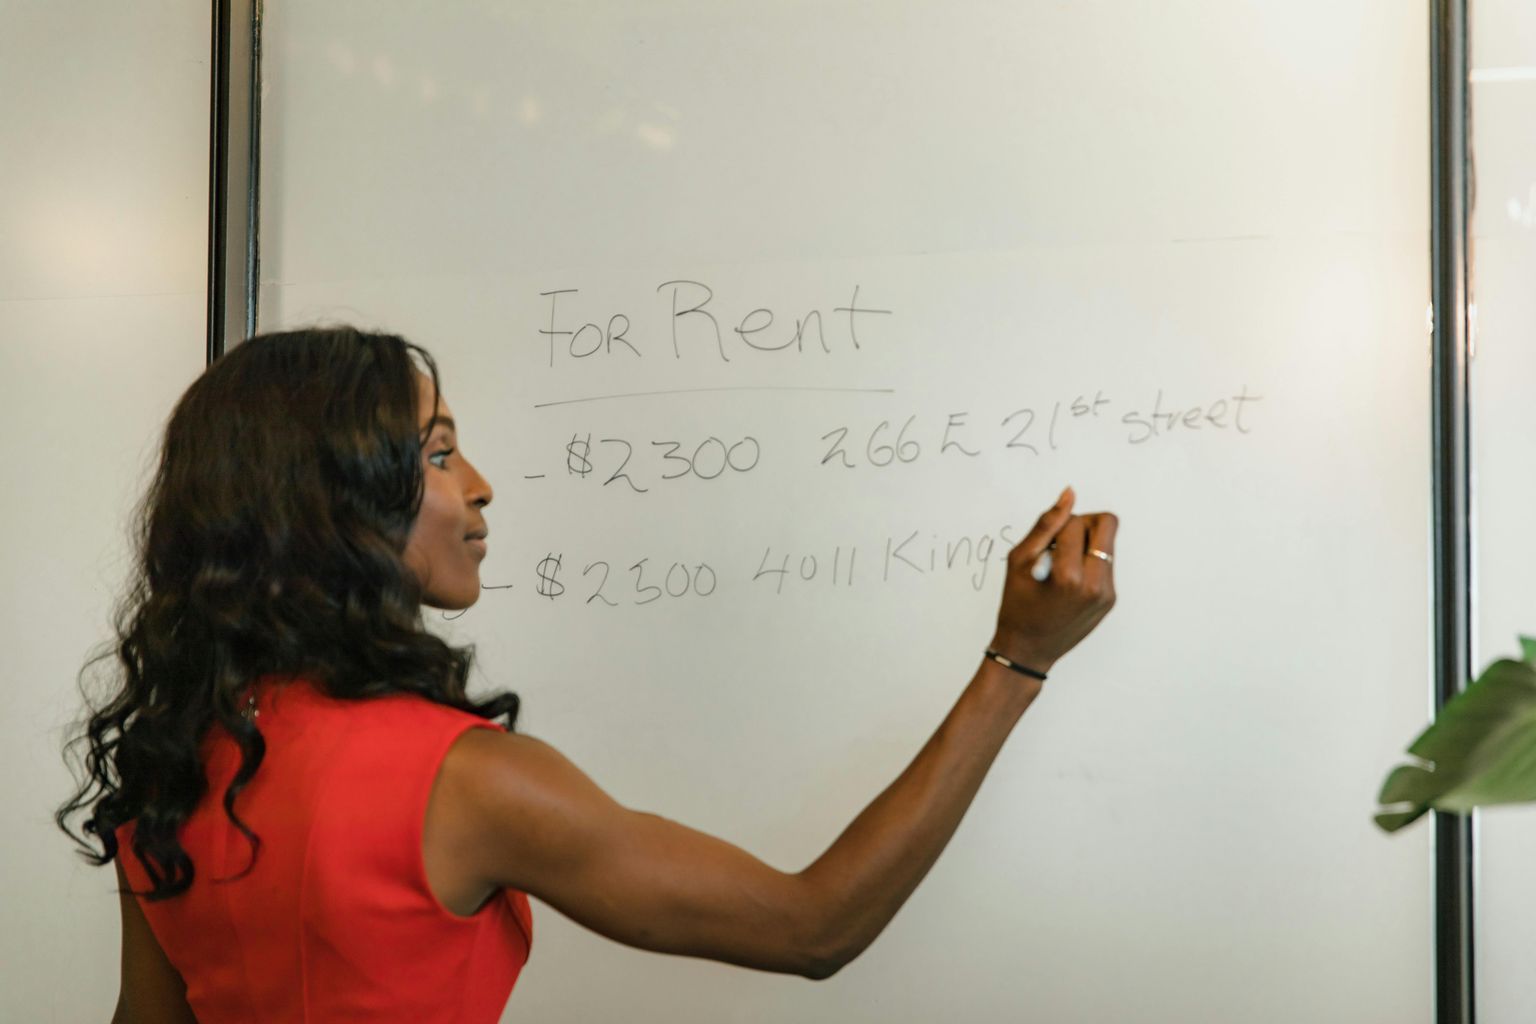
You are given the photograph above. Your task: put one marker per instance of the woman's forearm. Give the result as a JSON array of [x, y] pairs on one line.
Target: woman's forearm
[[856, 887]]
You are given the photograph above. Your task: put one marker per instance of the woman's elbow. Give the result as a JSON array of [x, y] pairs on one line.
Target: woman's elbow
[[824, 957], [821, 966], [820, 970], [827, 941]]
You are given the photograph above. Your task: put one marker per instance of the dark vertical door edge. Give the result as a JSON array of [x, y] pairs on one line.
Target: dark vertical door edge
[[233, 156], [252, 275], [218, 174], [1454, 980]]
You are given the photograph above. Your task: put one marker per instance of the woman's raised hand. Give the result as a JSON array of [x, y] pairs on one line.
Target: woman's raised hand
[[1040, 620]]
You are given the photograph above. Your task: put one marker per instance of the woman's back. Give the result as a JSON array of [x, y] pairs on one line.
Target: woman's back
[[336, 920]]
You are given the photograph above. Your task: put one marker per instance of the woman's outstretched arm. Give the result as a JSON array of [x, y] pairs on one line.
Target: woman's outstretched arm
[[514, 812]]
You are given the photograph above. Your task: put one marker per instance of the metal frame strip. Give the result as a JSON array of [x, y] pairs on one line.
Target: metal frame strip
[[234, 156], [1454, 864], [218, 186]]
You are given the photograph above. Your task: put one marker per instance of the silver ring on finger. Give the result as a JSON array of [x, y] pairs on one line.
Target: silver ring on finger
[[1096, 553]]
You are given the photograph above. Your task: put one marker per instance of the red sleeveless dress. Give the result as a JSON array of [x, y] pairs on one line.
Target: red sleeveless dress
[[336, 921]]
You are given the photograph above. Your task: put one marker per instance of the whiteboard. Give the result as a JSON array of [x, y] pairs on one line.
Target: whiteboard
[[1173, 255], [1503, 95], [103, 256]]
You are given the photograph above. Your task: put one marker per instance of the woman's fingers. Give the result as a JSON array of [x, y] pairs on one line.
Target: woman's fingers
[[1067, 556], [1098, 572], [1028, 621], [1028, 551], [1041, 618]]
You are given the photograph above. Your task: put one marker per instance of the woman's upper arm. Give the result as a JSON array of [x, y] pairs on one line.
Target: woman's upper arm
[[531, 820], [151, 990]]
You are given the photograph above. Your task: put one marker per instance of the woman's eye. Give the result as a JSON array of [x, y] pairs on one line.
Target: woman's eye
[[440, 455]]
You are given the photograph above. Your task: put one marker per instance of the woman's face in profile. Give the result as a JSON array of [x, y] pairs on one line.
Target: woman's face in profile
[[440, 550]]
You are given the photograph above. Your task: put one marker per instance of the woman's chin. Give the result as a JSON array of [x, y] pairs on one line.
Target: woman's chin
[[453, 602]]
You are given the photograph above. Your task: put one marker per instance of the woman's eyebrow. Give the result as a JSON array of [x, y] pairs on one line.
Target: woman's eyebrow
[[446, 421]]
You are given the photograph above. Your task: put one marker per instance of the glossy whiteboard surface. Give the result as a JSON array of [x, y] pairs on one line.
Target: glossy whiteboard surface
[[772, 324], [103, 213], [1503, 432]]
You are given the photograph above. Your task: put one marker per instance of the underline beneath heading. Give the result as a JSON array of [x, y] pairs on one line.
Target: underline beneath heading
[[695, 391]]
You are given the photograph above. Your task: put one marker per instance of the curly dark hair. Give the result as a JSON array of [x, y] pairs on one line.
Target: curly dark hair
[[270, 540]]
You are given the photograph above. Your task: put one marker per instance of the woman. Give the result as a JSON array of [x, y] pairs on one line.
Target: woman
[[310, 817]]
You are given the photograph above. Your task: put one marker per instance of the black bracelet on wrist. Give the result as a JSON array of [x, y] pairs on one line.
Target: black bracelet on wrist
[[1020, 669]]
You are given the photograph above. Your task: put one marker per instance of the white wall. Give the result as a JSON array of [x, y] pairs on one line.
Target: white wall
[[1504, 439], [103, 207]]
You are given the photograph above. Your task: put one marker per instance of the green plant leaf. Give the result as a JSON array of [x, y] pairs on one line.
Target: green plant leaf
[[1481, 750]]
